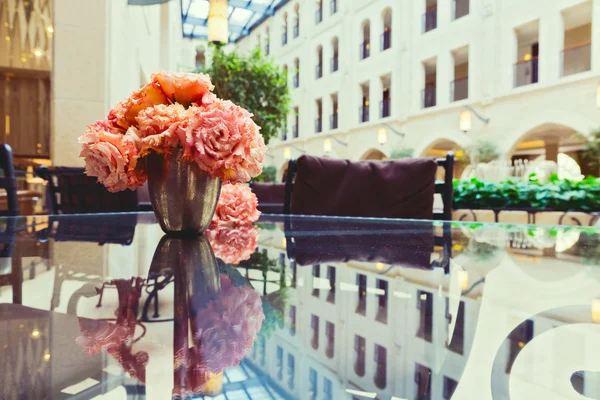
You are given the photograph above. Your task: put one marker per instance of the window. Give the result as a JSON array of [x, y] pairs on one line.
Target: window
[[382, 301], [386, 36], [386, 100], [459, 88], [335, 58], [292, 315], [267, 42], [316, 273], [331, 278], [425, 307], [526, 69], [333, 119], [365, 46], [330, 333], [296, 122], [380, 377], [314, 325], [576, 55], [279, 363], [319, 66], [296, 20], [319, 11], [423, 382], [291, 371], [517, 339], [282, 259], [284, 35], [334, 6], [294, 273], [458, 337], [297, 73], [430, 91], [363, 115], [312, 384], [460, 8], [430, 16], [327, 390], [359, 355], [449, 388], [285, 72], [361, 281], [319, 119]]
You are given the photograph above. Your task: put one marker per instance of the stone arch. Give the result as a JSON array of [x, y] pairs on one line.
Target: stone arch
[[283, 171], [374, 154], [441, 142]]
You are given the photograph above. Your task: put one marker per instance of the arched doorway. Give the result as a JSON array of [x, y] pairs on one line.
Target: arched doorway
[[440, 148], [374, 154], [283, 171]]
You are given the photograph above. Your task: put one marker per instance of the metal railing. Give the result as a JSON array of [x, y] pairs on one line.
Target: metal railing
[[365, 49], [428, 97], [318, 71], [284, 135], [384, 108], [386, 40], [576, 59], [459, 89], [460, 8], [333, 121], [296, 30], [318, 125], [333, 7], [267, 48], [284, 38], [430, 20], [363, 114], [319, 16], [295, 131], [334, 63], [297, 80], [526, 72]]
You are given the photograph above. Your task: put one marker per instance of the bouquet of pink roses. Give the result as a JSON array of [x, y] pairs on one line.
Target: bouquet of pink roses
[[173, 111]]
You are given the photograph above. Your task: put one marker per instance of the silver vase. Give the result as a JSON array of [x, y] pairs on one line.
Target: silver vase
[[183, 196]]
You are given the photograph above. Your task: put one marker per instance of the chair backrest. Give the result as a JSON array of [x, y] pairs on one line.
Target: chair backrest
[[8, 181], [73, 192], [271, 196], [445, 188]]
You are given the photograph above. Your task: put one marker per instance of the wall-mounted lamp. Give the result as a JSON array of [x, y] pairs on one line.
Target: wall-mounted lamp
[[465, 121], [462, 279], [327, 144], [218, 25], [287, 153], [382, 135], [596, 311]]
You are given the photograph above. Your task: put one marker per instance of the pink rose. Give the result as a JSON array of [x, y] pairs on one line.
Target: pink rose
[[233, 244], [237, 205], [124, 114], [111, 156], [224, 141], [185, 88], [157, 126]]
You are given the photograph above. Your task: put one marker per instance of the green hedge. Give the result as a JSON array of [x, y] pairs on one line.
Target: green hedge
[[556, 194]]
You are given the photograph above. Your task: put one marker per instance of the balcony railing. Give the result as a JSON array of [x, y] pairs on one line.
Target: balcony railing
[[296, 30], [334, 64], [295, 131], [363, 114], [318, 125], [318, 71], [428, 97], [365, 50], [359, 365], [576, 59], [333, 7], [297, 80], [430, 20], [460, 8], [284, 135], [319, 16], [459, 89], [384, 108], [526, 72], [386, 40], [267, 48], [333, 121], [284, 38]]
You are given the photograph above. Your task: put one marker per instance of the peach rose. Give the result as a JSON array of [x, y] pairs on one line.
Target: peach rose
[[157, 127], [224, 141], [111, 156], [233, 244], [124, 114], [237, 205], [185, 88]]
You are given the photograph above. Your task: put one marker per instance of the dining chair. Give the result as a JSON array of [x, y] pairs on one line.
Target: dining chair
[[271, 196], [11, 269], [8, 181], [71, 191]]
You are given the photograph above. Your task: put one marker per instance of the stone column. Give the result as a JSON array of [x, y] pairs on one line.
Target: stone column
[[551, 144]]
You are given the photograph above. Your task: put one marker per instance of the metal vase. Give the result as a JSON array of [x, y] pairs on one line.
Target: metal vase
[[183, 196]]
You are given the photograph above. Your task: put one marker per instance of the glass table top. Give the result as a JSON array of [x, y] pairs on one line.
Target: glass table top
[[106, 307]]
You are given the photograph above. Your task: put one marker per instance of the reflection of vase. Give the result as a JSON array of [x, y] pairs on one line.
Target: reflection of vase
[[183, 196]]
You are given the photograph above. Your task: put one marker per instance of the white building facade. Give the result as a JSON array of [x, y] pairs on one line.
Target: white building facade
[[524, 75]]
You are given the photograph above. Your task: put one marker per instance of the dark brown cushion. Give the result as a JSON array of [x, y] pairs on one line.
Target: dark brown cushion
[[269, 192], [380, 189]]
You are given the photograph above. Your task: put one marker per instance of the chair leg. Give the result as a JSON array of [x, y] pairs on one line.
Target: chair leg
[[17, 280]]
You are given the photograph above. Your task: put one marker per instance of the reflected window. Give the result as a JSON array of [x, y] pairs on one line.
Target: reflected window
[[331, 278], [458, 337], [316, 273], [449, 388], [518, 339], [382, 301], [425, 307], [380, 378], [359, 355], [330, 333], [294, 273], [314, 325], [292, 314], [312, 384], [291, 371], [327, 390], [423, 382], [263, 351], [279, 363], [361, 282], [282, 260]]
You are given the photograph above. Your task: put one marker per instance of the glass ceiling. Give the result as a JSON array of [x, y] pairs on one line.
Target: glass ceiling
[[244, 15]]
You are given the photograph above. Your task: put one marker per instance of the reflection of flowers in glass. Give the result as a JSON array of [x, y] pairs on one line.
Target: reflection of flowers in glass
[[237, 205], [233, 244], [117, 339], [225, 330]]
